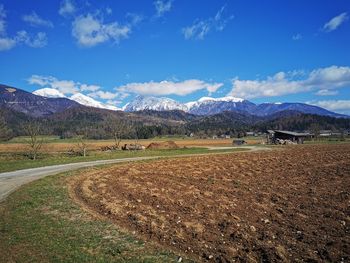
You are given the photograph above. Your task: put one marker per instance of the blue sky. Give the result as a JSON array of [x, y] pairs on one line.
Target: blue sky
[[264, 51]]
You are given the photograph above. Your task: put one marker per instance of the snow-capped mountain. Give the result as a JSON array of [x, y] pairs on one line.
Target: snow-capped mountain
[[153, 103], [203, 106], [90, 102], [49, 93], [210, 106], [31, 104], [78, 97]]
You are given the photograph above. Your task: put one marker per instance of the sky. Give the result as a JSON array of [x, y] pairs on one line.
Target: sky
[[112, 51]]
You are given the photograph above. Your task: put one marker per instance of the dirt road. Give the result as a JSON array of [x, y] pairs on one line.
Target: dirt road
[[10, 181]]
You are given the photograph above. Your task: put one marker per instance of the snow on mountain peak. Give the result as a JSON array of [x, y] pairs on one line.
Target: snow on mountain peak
[[49, 93], [90, 102], [209, 100], [224, 99], [78, 97], [153, 103]]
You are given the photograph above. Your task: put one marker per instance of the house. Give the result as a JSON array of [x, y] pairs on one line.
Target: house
[[275, 136]]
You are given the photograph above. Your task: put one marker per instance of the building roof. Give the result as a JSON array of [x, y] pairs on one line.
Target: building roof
[[293, 133]]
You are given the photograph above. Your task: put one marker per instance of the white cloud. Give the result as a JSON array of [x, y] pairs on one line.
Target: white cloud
[[90, 31], [134, 19], [333, 105], [335, 22], [113, 102], [282, 83], [21, 37], [169, 87], [162, 6], [67, 7], [200, 28], [63, 86], [6, 43], [2, 20], [106, 95], [85, 87], [38, 41], [297, 37], [34, 20], [326, 92]]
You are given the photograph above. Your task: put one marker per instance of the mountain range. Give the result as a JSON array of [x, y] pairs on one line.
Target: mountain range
[[48, 101], [147, 117], [210, 106]]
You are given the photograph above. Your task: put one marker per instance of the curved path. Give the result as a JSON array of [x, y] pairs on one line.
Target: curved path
[[10, 181]]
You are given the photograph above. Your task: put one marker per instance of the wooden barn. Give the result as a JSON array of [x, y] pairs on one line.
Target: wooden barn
[[274, 136]]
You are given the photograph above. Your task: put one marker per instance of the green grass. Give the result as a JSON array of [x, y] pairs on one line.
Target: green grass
[[40, 223], [18, 161]]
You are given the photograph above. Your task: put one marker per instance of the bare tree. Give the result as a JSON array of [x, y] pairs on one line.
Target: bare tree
[[116, 128], [315, 130], [81, 141], [35, 143]]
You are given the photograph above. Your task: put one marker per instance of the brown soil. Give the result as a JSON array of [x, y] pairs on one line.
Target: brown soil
[[163, 145], [288, 205]]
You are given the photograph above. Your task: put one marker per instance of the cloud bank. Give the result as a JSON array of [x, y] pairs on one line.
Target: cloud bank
[[322, 80], [63, 86], [169, 87]]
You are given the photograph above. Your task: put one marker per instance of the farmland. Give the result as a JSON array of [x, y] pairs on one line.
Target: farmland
[[14, 154], [52, 145], [283, 205]]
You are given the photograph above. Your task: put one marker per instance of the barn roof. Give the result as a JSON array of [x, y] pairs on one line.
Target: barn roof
[[297, 134]]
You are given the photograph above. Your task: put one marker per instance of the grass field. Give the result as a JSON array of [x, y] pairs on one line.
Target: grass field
[[13, 154], [17, 161]]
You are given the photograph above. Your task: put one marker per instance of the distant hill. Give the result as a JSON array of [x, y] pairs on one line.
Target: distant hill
[[176, 115], [266, 109], [32, 105]]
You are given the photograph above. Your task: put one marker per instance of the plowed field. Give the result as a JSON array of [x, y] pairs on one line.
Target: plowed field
[[285, 205]]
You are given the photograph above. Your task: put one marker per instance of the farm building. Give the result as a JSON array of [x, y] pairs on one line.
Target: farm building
[[276, 136], [238, 142]]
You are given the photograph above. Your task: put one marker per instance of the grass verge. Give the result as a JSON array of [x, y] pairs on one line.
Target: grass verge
[[17, 161], [39, 223]]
